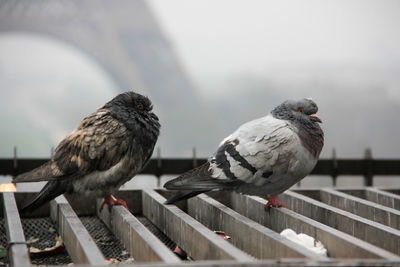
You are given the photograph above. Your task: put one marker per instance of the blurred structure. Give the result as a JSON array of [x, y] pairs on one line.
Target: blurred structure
[[125, 39]]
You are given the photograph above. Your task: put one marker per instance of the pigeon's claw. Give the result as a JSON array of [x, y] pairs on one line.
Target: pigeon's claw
[[111, 201], [273, 202], [180, 253]]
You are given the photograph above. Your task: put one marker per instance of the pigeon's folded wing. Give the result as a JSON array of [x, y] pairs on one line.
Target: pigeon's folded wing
[[199, 179], [249, 153], [97, 144], [254, 150]]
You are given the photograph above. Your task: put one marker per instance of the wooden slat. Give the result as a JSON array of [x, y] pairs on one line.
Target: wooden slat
[[80, 245], [275, 263], [246, 234], [361, 207], [193, 237], [338, 244], [141, 244], [382, 197], [18, 252], [372, 232]]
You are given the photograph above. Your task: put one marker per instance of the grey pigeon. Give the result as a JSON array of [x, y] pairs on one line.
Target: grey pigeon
[[263, 157], [108, 148]]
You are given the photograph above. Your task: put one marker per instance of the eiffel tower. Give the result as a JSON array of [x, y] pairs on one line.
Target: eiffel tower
[[124, 38]]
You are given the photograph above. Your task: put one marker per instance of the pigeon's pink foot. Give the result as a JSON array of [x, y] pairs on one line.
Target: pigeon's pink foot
[[273, 202], [111, 201], [180, 253], [183, 255], [222, 234]]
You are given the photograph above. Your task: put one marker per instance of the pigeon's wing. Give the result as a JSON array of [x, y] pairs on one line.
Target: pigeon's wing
[[51, 190], [197, 179], [256, 150], [182, 195], [97, 144], [250, 152]]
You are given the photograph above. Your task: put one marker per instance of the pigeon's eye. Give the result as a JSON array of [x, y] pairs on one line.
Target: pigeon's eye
[[139, 107], [301, 110]]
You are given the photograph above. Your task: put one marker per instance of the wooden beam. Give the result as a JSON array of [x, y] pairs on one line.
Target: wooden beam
[[18, 252], [246, 234], [338, 244], [80, 245], [197, 240], [382, 197], [375, 233], [141, 244], [361, 207], [274, 263]]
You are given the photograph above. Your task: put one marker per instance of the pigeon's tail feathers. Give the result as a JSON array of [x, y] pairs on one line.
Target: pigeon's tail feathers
[[200, 179], [51, 190], [182, 195], [44, 172], [203, 185]]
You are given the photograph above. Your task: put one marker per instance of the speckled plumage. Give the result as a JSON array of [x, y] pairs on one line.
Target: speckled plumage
[[262, 157], [106, 150]]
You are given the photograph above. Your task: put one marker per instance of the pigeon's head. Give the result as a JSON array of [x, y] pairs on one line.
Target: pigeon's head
[[303, 109], [132, 102]]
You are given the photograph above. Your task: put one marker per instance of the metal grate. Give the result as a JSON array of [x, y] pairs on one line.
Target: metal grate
[[109, 245], [3, 244], [357, 227], [44, 230], [157, 232]]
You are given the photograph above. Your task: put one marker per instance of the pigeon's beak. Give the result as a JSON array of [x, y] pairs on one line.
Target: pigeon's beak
[[315, 117], [151, 113]]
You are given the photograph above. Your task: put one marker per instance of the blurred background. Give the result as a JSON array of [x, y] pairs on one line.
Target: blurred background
[[208, 67]]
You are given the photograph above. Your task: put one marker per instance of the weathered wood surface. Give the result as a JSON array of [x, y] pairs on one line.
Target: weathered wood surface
[[82, 205], [375, 233], [337, 243], [361, 207], [18, 253], [345, 234], [80, 245], [277, 263], [383, 198], [249, 236], [197, 240], [141, 244]]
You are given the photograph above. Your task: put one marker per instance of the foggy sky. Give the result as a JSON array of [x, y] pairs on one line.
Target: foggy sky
[[218, 38], [244, 57]]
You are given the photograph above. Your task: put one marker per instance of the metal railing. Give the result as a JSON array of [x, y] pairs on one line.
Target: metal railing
[[334, 167]]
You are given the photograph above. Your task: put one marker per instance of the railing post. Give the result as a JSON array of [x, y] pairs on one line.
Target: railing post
[[194, 157], [368, 167], [334, 167], [159, 165], [15, 162]]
